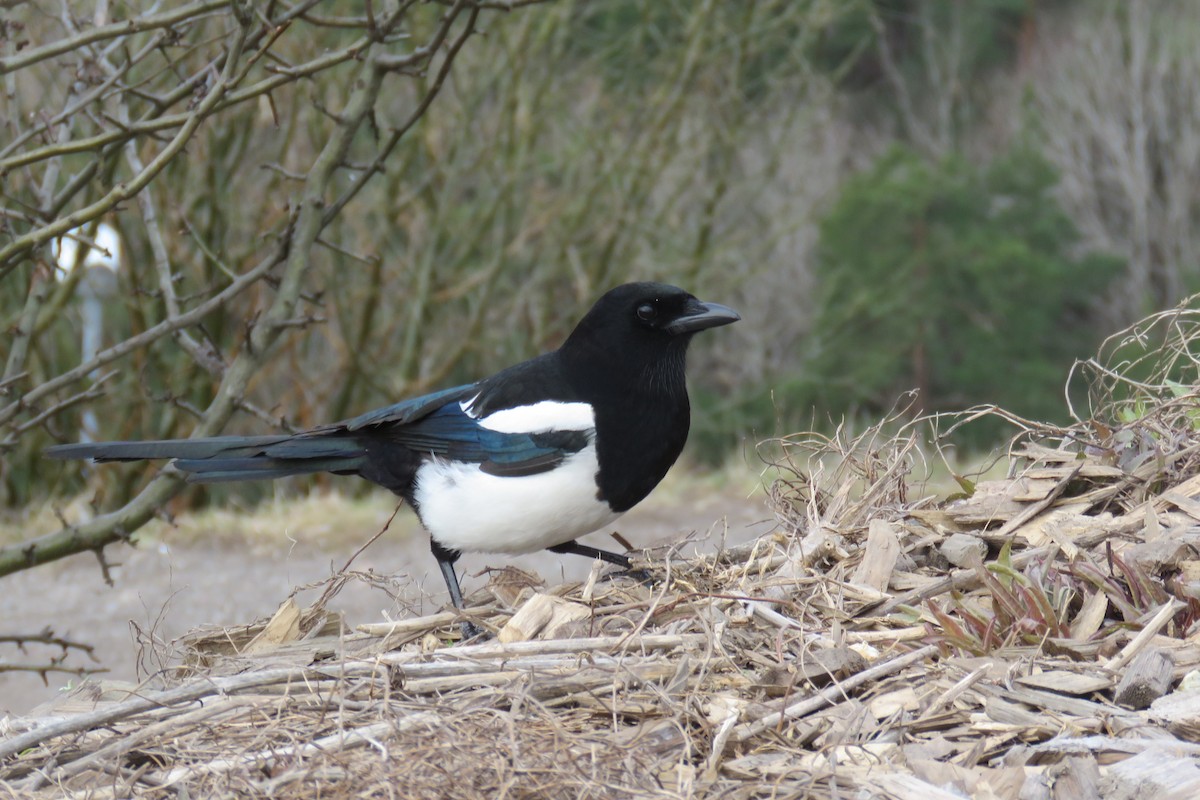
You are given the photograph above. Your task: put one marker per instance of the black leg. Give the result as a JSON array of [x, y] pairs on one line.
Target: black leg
[[577, 549], [446, 558]]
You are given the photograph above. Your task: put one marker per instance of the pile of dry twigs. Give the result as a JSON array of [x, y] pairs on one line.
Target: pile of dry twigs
[[1031, 636]]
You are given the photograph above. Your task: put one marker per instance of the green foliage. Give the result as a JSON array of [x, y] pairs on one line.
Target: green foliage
[[1021, 610], [957, 279], [636, 43], [990, 28], [925, 68], [849, 48]]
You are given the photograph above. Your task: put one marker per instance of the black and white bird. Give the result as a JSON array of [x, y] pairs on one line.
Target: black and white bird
[[531, 458]]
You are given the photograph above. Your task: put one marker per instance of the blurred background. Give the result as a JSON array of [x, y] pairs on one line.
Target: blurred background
[[955, 197]]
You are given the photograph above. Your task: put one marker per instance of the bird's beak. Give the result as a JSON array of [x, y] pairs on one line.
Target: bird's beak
[[698, 316]]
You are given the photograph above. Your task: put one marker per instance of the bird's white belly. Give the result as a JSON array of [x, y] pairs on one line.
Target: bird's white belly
[[466, 509]]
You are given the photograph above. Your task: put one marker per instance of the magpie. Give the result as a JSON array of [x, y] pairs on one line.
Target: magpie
[[528, 459]]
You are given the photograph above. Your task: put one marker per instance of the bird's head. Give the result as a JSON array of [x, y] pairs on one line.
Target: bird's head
[[642, 329]]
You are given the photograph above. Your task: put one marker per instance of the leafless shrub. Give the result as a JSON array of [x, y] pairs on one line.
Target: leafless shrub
[[843, 480], [224, 141], [290, 258], [1116, 91]]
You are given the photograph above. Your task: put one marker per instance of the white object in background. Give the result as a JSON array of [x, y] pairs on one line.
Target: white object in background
[[99, 281]]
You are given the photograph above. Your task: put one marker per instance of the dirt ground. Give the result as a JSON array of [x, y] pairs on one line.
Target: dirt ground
[[180, 579]]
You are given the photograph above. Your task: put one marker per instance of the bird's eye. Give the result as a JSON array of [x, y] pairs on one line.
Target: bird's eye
[[647, 312]]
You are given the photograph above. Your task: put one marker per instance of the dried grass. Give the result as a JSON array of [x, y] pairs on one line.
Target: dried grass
[[1024, 638]]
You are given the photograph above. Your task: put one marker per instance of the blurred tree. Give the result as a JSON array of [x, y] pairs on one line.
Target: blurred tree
[[1113, 95], [930, 71], [959, 280], [221, 141], [922, 62], [290, 263]]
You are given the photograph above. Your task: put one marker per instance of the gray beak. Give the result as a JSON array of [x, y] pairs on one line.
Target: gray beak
[[700, 316]]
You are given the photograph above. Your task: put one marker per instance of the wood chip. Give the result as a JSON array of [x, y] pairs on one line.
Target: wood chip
[[1156, 623], [1180, 711], [1039, 452], [1073, 683], [1062, 526], [1083, 469], [1154, 774], [1031, 490], [938, 519], [1090, 617], [910, 787], [1052, 701], [1186, 504], [441, 619], [1074, 778], [866, 757], [1147, 678], [820, 667], [1189, 571], [963, 549], [541, 612], [283, 627], [879, 556], [889, 704], [1015, 714], [991, 503], [1158, 555]]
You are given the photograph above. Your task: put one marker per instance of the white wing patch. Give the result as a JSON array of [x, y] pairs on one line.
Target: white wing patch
[[465, 405], [543, 417], [466, 509]]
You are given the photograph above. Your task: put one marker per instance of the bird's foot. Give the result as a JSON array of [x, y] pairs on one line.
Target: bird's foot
[[472, 631], [639, 574]]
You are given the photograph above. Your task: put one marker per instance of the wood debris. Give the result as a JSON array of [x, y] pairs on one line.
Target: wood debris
[[1033, 636]]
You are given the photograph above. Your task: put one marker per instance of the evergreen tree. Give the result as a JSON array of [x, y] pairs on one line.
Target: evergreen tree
[[956, 279]]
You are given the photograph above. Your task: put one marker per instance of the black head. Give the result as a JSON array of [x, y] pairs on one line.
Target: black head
[[626, 357], [642, 328], [651, 314]]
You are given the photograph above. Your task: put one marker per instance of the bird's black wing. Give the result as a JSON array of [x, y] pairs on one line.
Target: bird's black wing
[[430, 425], [452, 434], [329, 448], [452, 425], [405, 411]]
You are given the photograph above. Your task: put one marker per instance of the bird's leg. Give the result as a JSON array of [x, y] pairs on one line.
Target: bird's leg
[[575, 548], [446, 558]]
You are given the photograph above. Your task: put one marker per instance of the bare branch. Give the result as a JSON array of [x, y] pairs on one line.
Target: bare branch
[[104, 32], [122, 192]]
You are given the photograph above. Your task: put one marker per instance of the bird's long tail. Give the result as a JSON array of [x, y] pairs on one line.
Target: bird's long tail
[[233, 458]]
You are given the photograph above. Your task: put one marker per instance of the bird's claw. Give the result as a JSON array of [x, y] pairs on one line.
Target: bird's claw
[[639, 574], [471, 631]]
